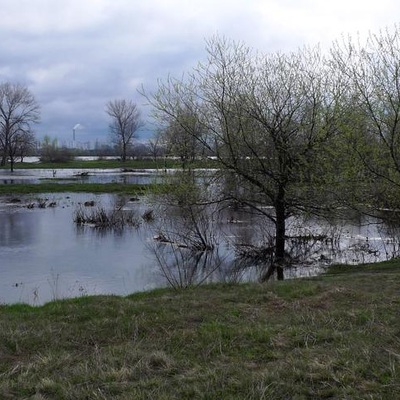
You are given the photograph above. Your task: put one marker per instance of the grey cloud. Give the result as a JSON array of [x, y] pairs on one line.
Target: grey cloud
[[76, 55]]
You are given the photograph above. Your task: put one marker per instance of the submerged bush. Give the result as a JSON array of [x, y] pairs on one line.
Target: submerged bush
[[109, 219]]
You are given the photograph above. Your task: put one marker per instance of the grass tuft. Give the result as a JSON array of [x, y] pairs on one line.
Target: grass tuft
[[134, 189]]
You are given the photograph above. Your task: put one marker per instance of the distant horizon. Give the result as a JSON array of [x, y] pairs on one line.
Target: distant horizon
[[143, 137]]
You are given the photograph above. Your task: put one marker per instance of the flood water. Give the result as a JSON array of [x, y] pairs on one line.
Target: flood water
[[82, 175], [44, 255]]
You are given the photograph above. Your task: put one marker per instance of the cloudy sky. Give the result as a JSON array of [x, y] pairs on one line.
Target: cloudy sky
[[75, 55]]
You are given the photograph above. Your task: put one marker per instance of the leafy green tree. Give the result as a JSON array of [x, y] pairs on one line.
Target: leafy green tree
[[179, 143], [372, 70], [267, 119]]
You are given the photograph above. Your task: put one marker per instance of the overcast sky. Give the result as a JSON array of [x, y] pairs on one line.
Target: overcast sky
[[75, 55]]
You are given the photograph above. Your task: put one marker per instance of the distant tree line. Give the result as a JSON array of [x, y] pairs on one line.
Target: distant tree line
[[50, 151], [19, 112]]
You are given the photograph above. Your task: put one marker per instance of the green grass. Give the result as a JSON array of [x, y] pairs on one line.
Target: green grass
[[50, 185], [336, 336], [73, 187], [105, 164], [386, 266]]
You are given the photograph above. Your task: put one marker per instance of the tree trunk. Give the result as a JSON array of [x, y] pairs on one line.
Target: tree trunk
[[280, 232], [280, 240], [11, 155], [123, 158], [4, 157]]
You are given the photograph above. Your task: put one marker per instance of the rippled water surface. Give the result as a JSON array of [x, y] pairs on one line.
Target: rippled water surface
[[44, 255], [68, 175]]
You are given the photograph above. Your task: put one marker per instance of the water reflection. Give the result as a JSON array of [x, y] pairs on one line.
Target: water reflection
[[17, 229], [244, 243], [45, 255], [62, 175]]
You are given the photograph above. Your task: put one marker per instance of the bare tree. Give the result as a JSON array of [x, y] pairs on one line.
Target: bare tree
[[24, 144], [156, 146], [125, 122], [267, 119], [186, 234], [18, 111]]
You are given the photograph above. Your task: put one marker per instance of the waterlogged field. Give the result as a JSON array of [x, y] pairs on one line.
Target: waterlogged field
[[78, 175], [45, 255]]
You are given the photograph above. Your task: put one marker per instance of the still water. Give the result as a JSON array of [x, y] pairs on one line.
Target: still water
[[82, 175], [44, 255]]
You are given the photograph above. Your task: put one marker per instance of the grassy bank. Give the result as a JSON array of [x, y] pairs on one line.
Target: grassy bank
[[106, 164], [336, 336], [103, 164], [48, 187]]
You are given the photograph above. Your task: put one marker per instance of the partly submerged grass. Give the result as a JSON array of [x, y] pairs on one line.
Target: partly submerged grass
[[106, 164], [387, 266], [335, 336], [103, 164], [78, 187]]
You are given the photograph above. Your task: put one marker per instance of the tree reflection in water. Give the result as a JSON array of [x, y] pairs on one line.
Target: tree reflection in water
[[194, 244]]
